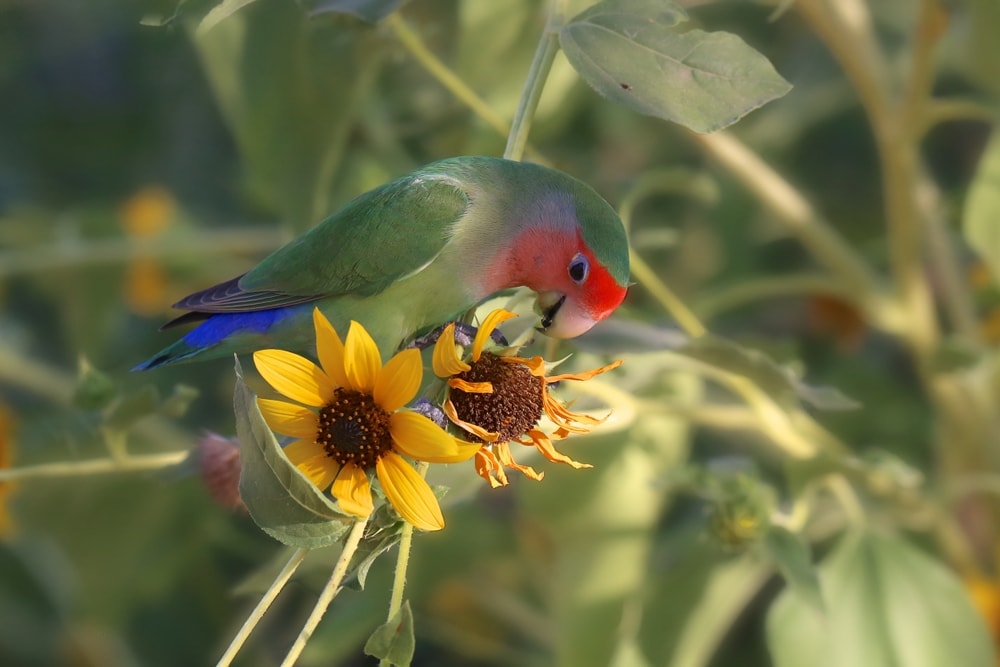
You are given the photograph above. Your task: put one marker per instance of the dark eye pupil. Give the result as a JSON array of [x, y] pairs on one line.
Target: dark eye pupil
[[577, 271]]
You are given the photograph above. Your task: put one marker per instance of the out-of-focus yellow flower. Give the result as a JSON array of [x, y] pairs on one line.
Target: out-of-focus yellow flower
[[145, 216], [985, 594], [7, 527]]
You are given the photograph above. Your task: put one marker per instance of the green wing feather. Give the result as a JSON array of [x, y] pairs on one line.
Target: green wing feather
[[378, 238]]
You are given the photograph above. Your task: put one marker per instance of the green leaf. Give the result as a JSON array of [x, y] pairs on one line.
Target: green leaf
[[371, 11], [133, 407], [888, 604], [791, 554], [219, 13], [630, 52], [94, 389], [280, 499], [779, 383], [394, 640], [177, 404], [982, 209]]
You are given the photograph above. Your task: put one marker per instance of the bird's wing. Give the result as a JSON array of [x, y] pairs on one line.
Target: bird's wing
[[378, 238]]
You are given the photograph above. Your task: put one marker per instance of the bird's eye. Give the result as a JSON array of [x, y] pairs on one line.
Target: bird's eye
[[579, 268]]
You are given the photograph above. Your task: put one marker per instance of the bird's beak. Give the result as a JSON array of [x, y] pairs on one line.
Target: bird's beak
[[562, 318], [547, 305]]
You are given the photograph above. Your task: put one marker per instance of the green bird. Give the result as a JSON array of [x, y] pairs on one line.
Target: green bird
[[417, 252]]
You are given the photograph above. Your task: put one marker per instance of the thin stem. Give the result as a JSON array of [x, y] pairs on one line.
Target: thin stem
[[402, 564], [665, 296], [545, 54], [331, 589], [265, 602], [94, 466], [759, 289], [797, 215], [945, 111], [116, 251]]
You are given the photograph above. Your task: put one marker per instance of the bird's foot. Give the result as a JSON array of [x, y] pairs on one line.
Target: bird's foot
[[464, 335]]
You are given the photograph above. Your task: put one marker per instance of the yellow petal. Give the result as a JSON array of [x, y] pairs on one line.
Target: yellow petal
[[304, 449], [507, 460], [563, 417], [536, 364], [490, 469], [545, 446], [362, 361], [352, 491], [409, 493], [399, 380], [419, 438], [295, 377], [288, 418], [491, 322], [584, 375], [471, 387], [478, 431], [445, 359], [329, 349], [320, 469]]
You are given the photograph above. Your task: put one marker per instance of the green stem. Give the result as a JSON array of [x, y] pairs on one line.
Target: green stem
[[796, 284], [676, 308], [265, 602], [948, 110], [94, 466], [402, 565], [545, 54], [331, 589]]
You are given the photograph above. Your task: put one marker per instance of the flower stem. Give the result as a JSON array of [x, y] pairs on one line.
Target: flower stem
[[659, 290], [265, 602], [331, 589], [94, 466], [545, 54], [402, 564]]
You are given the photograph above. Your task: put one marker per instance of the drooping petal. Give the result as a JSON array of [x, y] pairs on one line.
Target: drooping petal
[[535, 364], [490, 469], [288, 418], [563, 417], [478, 431], [507, 460], [492, 321], [329, 349], [445, 361], [295, 377], [584, 375], [399, 380], [548, 450], [362, 360], [353, 491], [419, 438], [471, 387], [409, 493]]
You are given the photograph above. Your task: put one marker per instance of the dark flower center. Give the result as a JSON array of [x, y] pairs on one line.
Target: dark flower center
[[353, 428], [514, 407]]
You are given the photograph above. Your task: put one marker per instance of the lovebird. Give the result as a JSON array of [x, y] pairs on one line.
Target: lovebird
[[417, 252]]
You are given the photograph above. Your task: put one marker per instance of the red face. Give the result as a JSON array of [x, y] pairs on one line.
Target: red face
[[574, 290]]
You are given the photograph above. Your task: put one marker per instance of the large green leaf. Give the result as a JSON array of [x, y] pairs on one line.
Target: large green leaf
[[631, 52], [982, 208], [280, 499], [887, 604]]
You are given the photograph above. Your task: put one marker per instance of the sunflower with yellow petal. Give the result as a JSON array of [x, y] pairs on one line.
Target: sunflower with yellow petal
[[348, 421], [499, 399]]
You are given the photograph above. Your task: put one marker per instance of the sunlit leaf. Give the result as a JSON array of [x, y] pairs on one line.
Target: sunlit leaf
[[887, 603], [221, 12], [394, 640], [631, 52], [982, 208], [791, 554], [280, 499]]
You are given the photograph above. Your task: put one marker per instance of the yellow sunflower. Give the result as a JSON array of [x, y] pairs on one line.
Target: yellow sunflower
[[499, 399], [348, 420]]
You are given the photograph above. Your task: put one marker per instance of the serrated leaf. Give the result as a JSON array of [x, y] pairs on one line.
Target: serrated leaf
[[981, 221], [791, 554], [371, 11], [764, 372], [280, 499], [887, 604], [630, 52], [394, 640]]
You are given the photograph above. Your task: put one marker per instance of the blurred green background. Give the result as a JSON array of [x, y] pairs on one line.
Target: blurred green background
[[140, 161]]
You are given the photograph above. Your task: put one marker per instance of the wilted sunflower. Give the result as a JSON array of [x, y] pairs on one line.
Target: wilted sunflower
[[348, 421], [499, 399]]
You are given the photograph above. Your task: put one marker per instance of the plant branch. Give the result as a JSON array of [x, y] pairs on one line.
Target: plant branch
[[126, 463], [759, 289]]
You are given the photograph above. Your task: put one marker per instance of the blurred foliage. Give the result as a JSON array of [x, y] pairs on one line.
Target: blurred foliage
[[811, 483]]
